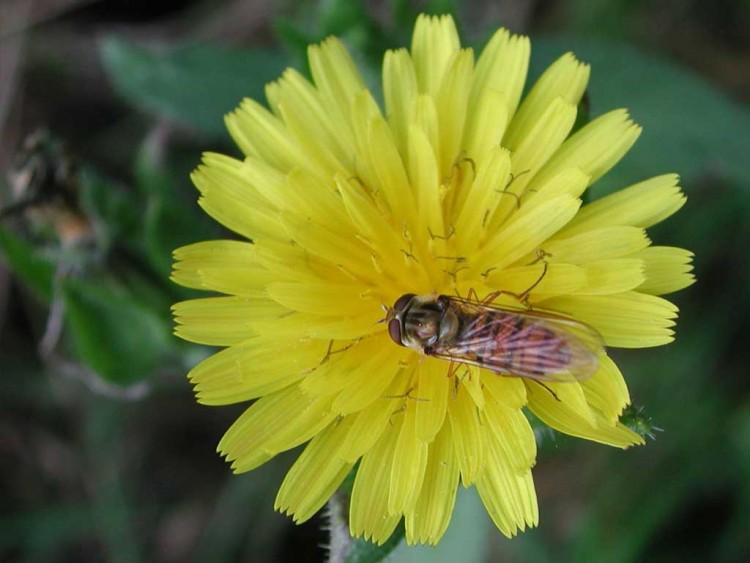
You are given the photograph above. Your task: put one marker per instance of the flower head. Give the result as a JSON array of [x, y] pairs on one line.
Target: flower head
[[456, 186]]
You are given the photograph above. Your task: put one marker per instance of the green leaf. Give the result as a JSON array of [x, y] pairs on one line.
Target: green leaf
[[44, 529], [25, 262], [602, 18], [171, 219], [114, 210], [465, 540], [689, 127], [363, 551], [113, 333], [340, 17], [112, 501], [295, 40], [441, 7], [195, 85]]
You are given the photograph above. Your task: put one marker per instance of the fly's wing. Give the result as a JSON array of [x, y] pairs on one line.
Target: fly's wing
[[539, 346]]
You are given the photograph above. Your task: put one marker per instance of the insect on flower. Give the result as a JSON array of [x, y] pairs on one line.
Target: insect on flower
[[533, 345], [456, 164]]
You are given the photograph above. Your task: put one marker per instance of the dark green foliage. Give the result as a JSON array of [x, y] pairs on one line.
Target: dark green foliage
[[176, 83]]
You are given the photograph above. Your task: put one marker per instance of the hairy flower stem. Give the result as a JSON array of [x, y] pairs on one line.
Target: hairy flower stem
[[341, 541]]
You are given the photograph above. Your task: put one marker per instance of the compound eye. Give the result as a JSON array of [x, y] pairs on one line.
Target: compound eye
[[394, 331], [402, 302]]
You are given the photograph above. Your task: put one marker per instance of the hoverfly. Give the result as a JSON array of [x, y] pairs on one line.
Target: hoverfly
[[538, 346]]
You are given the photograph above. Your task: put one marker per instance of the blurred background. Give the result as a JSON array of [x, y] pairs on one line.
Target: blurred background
[[105, 107]]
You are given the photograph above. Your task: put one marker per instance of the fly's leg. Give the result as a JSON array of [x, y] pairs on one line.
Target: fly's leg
[[522, 297], [458, 379], [330, 352], [472, 295], [463, 158], [452, 369], [512, 179], [453, 373], [406, 395], [513, 195], [551, 392]]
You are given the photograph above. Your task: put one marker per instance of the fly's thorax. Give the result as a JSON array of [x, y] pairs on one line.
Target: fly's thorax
[[423, 322]]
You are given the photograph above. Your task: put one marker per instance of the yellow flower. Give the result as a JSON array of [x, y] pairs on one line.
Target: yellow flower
[[456, 184]]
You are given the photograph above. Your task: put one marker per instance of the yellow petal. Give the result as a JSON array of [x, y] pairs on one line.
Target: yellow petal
[[274, 423], [259, 176], [513, 433], [434, 42], [472, 382], [319, 240], [365, 389], [508, 496], [364, 109], [297, 94], [599, 244], [557, 279], [525, 232], [606, 390], [485, 123], [424, 116], [371, 224], [254, 368], [571, 181], [569, 419], [337, 79], [451, 104], [508, 391], [245, 281], [640, 205], [481, 199], [213, 254], [540, 141], [287, 261], [468, 435], [390, 172], [261, 134], [223, 321], [502, 66], [313, 138], [424, 176], [432, 400], [315, 475], [625, 320], [612, 276], [358, 371], [322, 327], [409, 462], [594, 149], [399, 90], [225, 266], [323, 299], [428, 520], [537, 142], [228, 197], [368, 511], [316, 201], [569, 395], [667, 269], [371, 422], [566, 79], [341, 358]]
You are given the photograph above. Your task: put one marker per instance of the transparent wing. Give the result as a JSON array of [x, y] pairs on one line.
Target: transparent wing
[[534, 345]]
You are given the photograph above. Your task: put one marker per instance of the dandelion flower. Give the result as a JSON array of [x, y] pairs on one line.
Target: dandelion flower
[[456, 184]]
